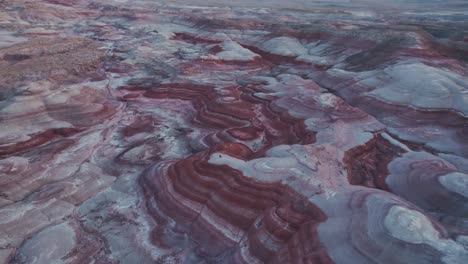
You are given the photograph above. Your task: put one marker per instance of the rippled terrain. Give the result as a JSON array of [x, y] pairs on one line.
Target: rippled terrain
[[233, 132]]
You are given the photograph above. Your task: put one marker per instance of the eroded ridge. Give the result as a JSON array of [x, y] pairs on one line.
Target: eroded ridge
[[272, 132]]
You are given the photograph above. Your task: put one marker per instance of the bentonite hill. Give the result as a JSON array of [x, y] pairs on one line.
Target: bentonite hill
[[183, 131]]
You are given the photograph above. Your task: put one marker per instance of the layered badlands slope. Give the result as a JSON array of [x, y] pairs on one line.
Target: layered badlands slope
[[262, 132]]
